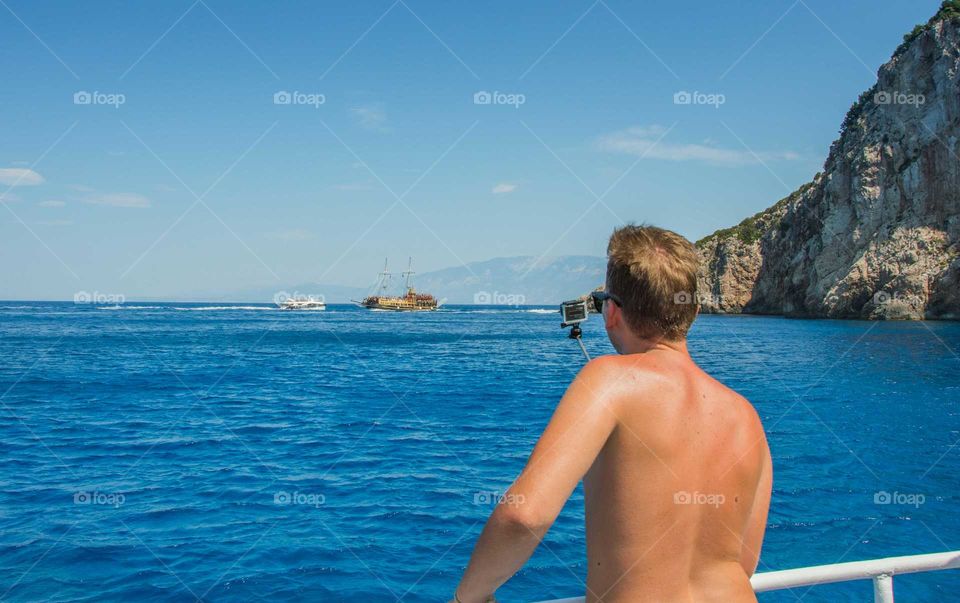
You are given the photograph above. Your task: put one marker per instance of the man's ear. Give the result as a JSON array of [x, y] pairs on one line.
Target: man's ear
[[614, 315]]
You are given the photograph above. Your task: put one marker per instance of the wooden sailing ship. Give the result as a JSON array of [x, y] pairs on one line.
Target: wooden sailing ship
[[410, 301]]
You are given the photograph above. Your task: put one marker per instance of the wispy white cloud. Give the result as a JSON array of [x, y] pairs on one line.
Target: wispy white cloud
[[647, 142], [504, 187], [8, 197], [371, 117], [118, 200], [20, 177], [51, 203]]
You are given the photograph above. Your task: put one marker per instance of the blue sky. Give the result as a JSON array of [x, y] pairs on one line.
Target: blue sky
[[183, 176]]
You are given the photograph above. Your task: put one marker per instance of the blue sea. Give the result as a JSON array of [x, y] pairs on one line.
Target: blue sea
[[231, 452]]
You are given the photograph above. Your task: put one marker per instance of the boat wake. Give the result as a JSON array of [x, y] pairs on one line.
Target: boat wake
[[214, 308], [187, 309]]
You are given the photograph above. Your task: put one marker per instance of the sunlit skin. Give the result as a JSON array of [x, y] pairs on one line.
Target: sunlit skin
[[677, 478]]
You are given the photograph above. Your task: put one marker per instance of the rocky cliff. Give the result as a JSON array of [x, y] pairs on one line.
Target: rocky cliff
[[875, 234]]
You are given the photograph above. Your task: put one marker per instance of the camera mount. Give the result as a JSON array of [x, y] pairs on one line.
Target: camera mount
[[573, 313]]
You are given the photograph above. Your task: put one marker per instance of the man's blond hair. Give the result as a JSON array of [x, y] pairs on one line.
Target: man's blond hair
[[654, 274]]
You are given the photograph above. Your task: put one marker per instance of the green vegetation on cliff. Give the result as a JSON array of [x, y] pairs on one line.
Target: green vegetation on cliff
[[750, 230], [857, 109], [950, 9], [747, 231]]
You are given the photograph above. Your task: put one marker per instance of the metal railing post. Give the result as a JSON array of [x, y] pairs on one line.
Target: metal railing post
[[883, 588]]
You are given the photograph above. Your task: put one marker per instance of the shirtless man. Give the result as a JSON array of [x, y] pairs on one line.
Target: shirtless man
[[676, 469]]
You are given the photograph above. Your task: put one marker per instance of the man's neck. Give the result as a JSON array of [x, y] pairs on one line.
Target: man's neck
[[642, 345]]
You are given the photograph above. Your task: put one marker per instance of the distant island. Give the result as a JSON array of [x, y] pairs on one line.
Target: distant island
[[875, 234]]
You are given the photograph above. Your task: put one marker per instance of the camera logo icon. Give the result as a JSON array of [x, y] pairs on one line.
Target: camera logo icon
[[82, 98], [82, 498], [282, 498], [682, 98], [482, 298], [682, 498], [883, 98], [682, 298], [882, 498], [881, 298], [82, 297], [484, 498], [280, 297], [282, 98], [482, 98]]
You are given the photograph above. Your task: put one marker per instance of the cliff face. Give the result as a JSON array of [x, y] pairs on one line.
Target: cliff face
[[875, 235]]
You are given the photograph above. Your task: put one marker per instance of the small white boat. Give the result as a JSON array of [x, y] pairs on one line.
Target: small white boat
[[302, 303]]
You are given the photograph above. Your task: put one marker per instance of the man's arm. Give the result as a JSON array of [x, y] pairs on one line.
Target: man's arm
[[579, 428], [757, 524]]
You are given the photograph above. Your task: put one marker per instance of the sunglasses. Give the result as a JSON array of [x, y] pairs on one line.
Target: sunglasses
[[599, 297]]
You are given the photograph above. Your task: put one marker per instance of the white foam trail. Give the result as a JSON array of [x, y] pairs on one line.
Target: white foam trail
[[213, 308], [119, 307], [186, 309]]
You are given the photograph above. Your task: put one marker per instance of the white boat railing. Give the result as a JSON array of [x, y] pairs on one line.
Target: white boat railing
[[881, 571]]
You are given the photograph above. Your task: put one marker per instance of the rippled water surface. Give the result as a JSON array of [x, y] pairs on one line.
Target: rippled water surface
[[188, 451]]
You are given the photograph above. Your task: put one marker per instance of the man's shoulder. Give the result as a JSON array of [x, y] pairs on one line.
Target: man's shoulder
[[620, 362], [645, 381], [615, 367], [615, 377]]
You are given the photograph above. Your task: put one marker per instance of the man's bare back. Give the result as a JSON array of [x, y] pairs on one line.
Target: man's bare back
[[676, 501], [676, 469]]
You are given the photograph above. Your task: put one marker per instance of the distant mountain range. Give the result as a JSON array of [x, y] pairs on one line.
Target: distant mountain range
[[505, 281]]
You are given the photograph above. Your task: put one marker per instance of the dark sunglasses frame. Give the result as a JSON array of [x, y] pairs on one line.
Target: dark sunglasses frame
[[599, 297]]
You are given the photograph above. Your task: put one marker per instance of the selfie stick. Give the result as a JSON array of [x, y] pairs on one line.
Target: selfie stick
[[577, 333]]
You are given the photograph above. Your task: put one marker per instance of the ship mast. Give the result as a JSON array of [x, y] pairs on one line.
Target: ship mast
[[409, 272], [384, 277]]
